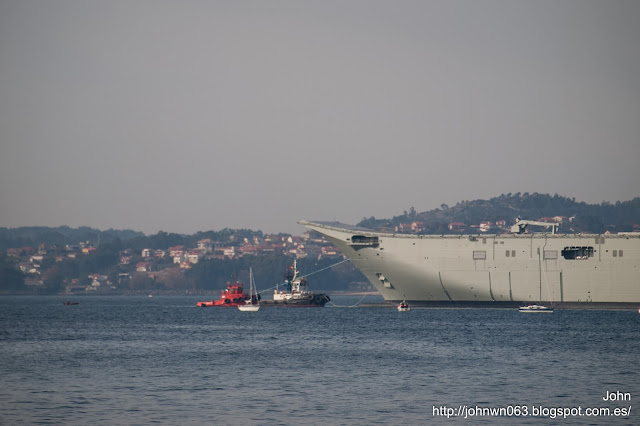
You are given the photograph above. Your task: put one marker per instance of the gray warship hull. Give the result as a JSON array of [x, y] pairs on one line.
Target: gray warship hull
[[315, 301], [570, 271]]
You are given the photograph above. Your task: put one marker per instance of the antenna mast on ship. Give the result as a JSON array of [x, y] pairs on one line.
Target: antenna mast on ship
[[521, 225]]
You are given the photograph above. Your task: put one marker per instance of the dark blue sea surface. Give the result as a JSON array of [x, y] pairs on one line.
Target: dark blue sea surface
[[139, 360]]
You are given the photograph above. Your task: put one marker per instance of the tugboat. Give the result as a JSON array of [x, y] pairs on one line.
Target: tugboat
[[297, 293], [233, 295]]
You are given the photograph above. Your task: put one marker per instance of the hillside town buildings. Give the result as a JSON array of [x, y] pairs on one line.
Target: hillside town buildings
[[151, 262]]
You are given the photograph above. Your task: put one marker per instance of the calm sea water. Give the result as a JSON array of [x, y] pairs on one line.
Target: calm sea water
[[133, 360]]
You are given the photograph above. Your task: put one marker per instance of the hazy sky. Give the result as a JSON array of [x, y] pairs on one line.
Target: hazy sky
[[199, 115]]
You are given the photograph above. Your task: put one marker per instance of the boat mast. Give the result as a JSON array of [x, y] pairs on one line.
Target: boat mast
[[295, 269], [252, 286]]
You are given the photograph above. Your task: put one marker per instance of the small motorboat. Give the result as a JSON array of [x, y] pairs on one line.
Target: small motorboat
[[403, 306], [69, 303], [535, 308]]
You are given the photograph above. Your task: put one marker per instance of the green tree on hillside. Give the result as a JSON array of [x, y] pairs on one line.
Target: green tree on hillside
[[11, 279]]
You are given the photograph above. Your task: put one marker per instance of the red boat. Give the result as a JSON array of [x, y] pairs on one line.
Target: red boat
[[233, 295], [69, 303]]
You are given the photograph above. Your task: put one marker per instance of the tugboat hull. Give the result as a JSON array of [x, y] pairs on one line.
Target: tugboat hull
[[317, 301]]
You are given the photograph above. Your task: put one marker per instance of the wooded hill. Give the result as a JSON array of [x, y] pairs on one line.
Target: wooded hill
[[588, 218]]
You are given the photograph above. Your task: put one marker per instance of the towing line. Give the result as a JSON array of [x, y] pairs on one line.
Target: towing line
[[306, 275]]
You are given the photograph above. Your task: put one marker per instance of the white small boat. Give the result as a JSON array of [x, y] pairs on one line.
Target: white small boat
[[252, 304], [535, 308], [403, 306], [249, 308]]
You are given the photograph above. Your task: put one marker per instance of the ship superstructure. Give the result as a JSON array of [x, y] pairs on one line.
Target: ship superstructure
[[582, 270]]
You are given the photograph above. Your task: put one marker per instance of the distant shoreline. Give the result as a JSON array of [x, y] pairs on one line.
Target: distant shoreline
[[169, 294]]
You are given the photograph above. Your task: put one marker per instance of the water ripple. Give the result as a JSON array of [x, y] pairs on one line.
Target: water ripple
[[119, 360]]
